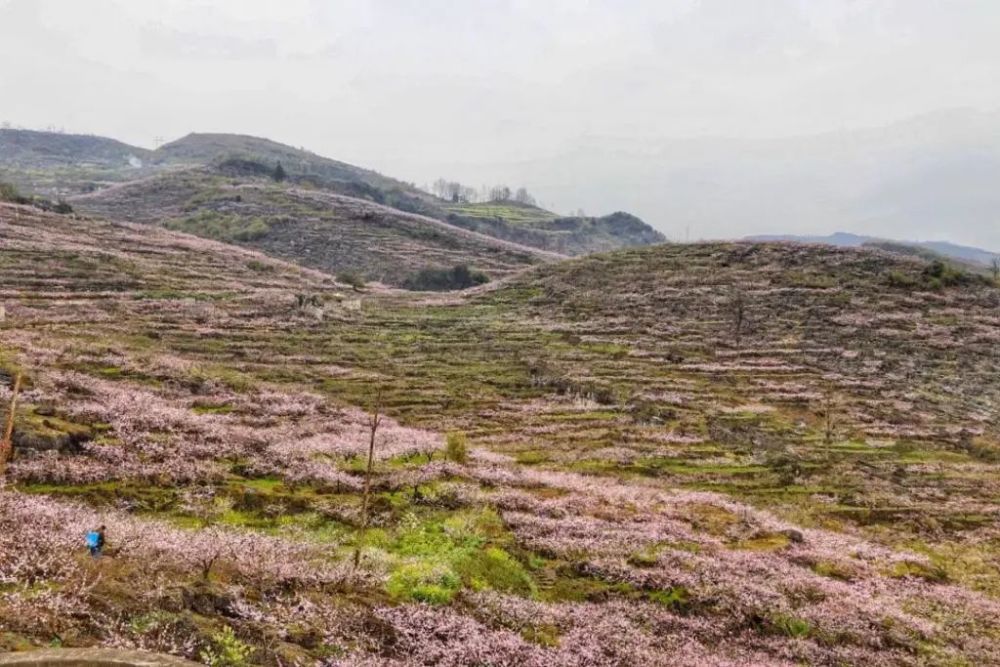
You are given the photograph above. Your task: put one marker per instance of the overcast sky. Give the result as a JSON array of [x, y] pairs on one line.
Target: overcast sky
[[415, 88]]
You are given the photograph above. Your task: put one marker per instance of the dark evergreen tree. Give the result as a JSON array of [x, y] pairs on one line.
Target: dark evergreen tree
[[279, 173]]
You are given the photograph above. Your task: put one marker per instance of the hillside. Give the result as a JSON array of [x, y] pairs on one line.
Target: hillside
[[960, 253], [204, 149], [63, 165], [313, 227], [28, 149], [530, 225], [718, 454], [210, 149], [54, 164]]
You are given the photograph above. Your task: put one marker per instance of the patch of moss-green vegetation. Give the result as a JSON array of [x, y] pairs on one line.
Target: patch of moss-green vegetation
[[677, 598], [208, 408], [926, 571], [145, 498], [510, 212], [567, 586], [790, 626], [763, 542], [437, 557], [220, 226], [833, 570], [41, 428]]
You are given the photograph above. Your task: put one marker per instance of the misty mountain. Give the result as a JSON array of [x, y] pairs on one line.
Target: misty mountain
[[930, 176], [128, 182], [847, 240]]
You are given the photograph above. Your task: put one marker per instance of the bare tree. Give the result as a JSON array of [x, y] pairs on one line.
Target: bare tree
[[468, 194], [453, 191], [208, 558], [7, 444], [374, 421], [440, 188], [522, 196], [738, 309], [829, 426], [500, 193]]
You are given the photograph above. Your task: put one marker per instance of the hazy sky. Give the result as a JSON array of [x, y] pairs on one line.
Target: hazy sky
[[417, 87]]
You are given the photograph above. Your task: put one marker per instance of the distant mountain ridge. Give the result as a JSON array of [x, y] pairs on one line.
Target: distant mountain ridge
[[848, 240], [32, 149], [926, 177], [67, 165]]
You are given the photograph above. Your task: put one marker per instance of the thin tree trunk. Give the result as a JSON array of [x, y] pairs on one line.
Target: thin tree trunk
[[829, 417], [373, 422], [7, 444]]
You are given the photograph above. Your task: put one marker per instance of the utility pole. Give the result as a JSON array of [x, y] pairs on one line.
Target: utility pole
[[7, 444]]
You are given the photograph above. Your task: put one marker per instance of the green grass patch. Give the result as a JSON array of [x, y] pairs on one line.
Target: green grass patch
[[437, 557], [763, 542]]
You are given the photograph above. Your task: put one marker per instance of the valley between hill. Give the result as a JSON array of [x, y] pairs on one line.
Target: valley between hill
[[706, 454]]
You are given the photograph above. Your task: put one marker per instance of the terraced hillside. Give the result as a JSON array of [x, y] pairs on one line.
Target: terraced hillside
[[314, 227], [206, 148], [66, 165], [533, 226], [719, 454], [56, 165]]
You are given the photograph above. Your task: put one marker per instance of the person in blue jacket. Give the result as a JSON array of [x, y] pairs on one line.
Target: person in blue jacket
[[95, 541]]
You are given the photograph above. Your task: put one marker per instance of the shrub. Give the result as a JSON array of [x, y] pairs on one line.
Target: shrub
[[9, 193], [456, 447], [351, 278], [227, 651], [917, 570], [254, 230], [648, 557], [901, 280], [432, 583], [279, 173], [236, 165], [443, 280], [938, 274], [439, 558], [214, 225], [791, 626], [259, 266], [677, 598], [495, 569]]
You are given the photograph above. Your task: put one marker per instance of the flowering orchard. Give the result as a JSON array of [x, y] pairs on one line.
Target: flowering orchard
[[660, 471]]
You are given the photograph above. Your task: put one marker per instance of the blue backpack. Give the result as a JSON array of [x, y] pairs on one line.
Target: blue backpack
[[93, 539]]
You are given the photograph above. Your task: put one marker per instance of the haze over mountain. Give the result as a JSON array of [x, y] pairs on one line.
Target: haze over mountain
[[320, 212], [927, 178], [591, 105], [976, 256]]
